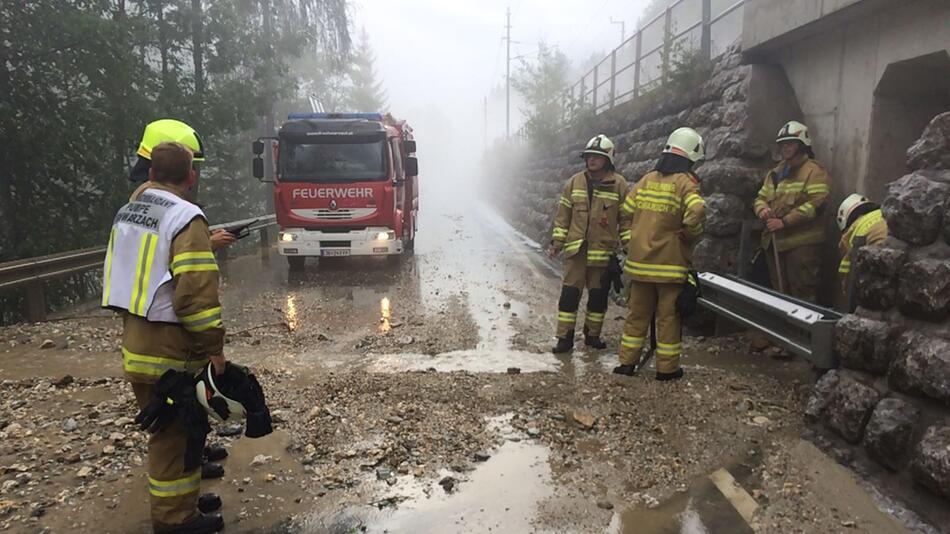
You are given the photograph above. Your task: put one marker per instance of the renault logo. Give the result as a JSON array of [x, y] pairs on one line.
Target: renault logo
[[333, 205]]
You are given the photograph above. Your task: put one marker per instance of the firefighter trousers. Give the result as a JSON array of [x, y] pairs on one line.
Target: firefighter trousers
[[800, 267], [173, 492], [577, 276], [647, 299]]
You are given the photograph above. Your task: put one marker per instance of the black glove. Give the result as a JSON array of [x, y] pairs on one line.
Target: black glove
[[611, 276], [161, 410], [688, 299]]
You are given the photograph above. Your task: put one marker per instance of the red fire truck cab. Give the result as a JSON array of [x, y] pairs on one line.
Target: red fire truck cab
[[346, 184]]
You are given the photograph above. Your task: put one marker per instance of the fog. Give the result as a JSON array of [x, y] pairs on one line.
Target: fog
[[438, 60]]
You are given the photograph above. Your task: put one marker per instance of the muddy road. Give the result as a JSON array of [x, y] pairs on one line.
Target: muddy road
[[420, 397]]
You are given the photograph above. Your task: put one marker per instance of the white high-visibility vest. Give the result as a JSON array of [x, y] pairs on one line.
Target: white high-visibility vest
[[138, 269]]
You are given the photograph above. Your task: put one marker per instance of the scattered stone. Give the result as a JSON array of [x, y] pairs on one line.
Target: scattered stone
[[323, 337], [889, 431], [585, 419], [63, 381], [73, 458], [506, 305], [70, 425], [605, 504], [394, 420], [533, 432], [84, 472], [47, 344], [514, 370], [230, 430], [481, 456], [448, 484], [383, 473], [761, 420], [406, 340], [931, 463], [108, 449], [261, 459]]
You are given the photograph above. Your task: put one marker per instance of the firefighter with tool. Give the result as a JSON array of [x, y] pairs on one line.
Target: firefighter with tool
[[588, 228], [790, 203], [174, 130], [861, 223], [161, 275], [668, 216]]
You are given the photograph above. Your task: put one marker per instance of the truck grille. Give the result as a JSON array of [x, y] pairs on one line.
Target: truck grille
[[334, 244], [338, 215]]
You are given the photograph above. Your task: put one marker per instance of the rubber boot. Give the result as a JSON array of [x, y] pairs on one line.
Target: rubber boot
[[594, 342], [215, 452], [209, 502], [627, 370], [564, 345], [203, 524], [675, 375], [211, 470]]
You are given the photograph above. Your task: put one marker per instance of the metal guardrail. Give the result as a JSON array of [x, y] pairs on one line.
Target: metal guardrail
[[33, 272], [799, 327]]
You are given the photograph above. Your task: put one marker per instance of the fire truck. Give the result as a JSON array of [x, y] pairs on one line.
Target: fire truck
[[345, 184]]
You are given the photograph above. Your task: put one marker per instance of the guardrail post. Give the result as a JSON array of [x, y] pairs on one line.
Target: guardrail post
[[594, 90], [265, 246], [34, 303], [667, 43], [613, 77], [636, 68], [583, 99], [706, 39]]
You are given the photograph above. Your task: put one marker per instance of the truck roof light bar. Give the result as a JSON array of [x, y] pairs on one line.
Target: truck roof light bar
[[309, 115]]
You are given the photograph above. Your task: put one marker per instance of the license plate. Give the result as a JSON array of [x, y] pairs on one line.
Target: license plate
[[335, 253]]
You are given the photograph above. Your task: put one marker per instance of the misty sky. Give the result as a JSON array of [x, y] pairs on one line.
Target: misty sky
[[438, 59]]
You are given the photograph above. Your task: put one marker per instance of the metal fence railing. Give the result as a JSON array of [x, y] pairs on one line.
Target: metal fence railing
[[32, 273], [643, 61]]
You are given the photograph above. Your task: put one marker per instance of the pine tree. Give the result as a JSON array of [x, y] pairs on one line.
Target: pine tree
[[366, 92]]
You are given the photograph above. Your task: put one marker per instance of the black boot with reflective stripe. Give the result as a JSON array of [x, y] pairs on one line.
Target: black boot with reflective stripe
[[564, 344], [209, 502], [675, 375]]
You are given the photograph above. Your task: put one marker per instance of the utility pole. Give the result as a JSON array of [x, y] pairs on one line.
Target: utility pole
[[508, 76], [268, 118], [623, 28]]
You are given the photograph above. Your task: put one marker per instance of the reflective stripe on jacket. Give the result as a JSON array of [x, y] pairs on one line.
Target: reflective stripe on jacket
[[798, 200], [869, 229], [668, 216], [595, 219]]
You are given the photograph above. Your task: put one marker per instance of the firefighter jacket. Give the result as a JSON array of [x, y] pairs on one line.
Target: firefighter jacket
[[869, 229], [668, 216], [592, 217], [796, 195], [175, 324]]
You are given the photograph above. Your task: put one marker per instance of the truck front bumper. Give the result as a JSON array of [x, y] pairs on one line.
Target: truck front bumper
[[377, 241]]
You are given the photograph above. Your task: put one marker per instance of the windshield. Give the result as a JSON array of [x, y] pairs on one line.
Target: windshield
[[333, 162]]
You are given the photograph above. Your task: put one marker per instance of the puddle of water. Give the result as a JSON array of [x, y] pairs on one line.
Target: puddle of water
[[474, 361], [385, 314], [290, 312]]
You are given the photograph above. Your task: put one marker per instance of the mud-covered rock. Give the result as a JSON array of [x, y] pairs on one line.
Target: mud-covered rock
[[876, 270], [925, 289], [730, 176], [850, 407], [932, 150], [931, 463], [716, 254], [724, 215], [863, 344], [921, 366], [914, 208], [889, 431], [821, 395]]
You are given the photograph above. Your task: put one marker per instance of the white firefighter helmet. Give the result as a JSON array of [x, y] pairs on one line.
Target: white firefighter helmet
[[218, 406], [847, 207], [600, 145], [686, 142], [794, 131]]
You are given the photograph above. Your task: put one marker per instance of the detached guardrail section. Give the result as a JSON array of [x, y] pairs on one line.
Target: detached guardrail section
[[32, 273]]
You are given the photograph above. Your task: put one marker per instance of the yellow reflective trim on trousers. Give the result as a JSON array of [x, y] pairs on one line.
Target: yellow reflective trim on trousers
[[142, 273], [595, 317], [631, 342], [566, 317], [625, 235], [672, 272], [565, 202], [606, 195], [175, 488], [559, 232], [201, 321], [657, 266], [844, 267], [107, 283], [142, 364]]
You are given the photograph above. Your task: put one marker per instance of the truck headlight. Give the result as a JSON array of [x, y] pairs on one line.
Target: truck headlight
[[386, 236], [287, 237]]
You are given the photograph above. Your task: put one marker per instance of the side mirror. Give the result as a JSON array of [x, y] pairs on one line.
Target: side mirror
[[257, 147], [412, 166], [258, 167], [409, 146]]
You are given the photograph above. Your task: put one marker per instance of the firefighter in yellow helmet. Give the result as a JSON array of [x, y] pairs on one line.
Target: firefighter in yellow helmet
[[791, 202], [163, 130], [588, 228], [861, 223], [160, 274], [668, 216]]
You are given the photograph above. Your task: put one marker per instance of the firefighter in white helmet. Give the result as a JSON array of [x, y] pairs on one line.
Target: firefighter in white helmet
[[668, 216], [791, 202], [861, 223], [588, 229]]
